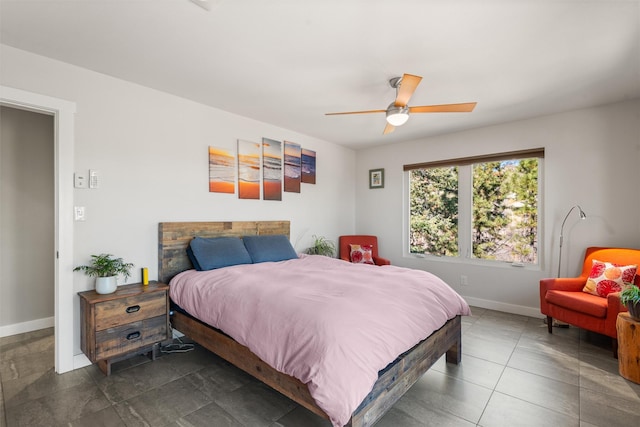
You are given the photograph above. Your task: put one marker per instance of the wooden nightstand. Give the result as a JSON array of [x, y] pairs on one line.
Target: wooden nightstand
[[130, 321]]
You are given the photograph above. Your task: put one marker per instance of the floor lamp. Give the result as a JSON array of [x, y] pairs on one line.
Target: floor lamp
[[582, 216]]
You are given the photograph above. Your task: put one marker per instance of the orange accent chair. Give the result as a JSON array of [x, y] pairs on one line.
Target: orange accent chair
[[563, 299], [345, 248]]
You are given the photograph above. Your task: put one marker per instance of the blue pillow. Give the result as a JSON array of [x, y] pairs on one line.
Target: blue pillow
[[218, 252], [269, 248], [193, 259]]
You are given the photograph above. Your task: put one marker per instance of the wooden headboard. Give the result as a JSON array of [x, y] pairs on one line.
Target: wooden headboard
[[174, 237]]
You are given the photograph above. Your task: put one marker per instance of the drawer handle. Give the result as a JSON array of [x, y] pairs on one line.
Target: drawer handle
[[133, 309], [133, 335]]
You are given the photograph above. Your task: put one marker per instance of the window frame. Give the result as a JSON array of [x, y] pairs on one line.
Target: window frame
[[465, 208]]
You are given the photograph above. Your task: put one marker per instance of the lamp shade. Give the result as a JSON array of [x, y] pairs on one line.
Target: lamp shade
[[397, 116]]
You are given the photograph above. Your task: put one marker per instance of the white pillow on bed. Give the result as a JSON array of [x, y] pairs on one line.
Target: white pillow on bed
[[211, 253]]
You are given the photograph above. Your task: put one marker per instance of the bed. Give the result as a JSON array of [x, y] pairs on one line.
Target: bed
[[392, 381]]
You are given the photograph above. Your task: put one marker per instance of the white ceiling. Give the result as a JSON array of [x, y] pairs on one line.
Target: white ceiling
[[287, 62]]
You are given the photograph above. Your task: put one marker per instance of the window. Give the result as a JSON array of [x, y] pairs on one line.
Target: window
[[482, 207]]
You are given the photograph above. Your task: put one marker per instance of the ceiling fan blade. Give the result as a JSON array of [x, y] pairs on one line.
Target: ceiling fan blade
[[408, 85], [388, 129], [466, 107], [356, 112]]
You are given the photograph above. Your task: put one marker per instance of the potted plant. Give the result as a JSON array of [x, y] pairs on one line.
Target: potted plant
[[106, 268], [321, 246], [631, 298]]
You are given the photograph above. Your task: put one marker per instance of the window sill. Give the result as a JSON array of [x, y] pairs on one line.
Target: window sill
[[474, 261]]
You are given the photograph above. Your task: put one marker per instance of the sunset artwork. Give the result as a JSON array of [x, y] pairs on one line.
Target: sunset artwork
[[248, 170], [222, 171], [292, 167], [271, 169], [308, 166]]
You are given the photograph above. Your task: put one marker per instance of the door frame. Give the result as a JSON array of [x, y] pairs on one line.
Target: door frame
[[63, 113]]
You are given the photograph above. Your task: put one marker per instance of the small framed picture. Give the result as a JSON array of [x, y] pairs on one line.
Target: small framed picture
[[376, 178]]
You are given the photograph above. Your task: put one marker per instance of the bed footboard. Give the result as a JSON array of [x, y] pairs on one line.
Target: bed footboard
[[392, 382], [399, 376]]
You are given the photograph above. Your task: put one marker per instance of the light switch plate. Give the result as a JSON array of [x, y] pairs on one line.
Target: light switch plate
[[93, 178], [80, 180]]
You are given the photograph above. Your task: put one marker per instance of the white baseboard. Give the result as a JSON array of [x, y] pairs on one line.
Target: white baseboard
[[31, 325], [80, 361], [507, 308]]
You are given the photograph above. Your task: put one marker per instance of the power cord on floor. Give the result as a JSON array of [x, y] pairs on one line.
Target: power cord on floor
[[176, 347]]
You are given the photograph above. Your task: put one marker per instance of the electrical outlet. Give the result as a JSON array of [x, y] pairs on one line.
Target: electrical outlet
[[464, 280]]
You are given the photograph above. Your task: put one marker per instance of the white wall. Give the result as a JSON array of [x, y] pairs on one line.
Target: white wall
[[591, 159], [151, 151], [26, 217]]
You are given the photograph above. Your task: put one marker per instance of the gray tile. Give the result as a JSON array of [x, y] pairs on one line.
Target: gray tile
[[25, 337], [58, 407], [191, 361], [537, 330], [128, 383], [199, 389], [301, 416], [25, 365], [163, 405], [555, 366], [488, 348], [476, 313], [503, 322], [25, 344], [504, 410], [107, 417], [416, 413], [37, 385], [472, 369], [594, 343], [210, 415], [603, 409], [600, 373], [551, 344], [255, 404], [220, 379], [460, 398], [548, 393], [494, 331]]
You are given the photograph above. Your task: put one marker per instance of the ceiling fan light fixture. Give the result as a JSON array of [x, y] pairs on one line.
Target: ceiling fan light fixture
[[397, 116]]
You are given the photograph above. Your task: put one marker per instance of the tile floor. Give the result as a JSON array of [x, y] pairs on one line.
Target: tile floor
[[513, 373]]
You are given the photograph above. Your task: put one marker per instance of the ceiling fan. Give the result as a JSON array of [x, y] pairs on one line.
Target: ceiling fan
[[398, 111]]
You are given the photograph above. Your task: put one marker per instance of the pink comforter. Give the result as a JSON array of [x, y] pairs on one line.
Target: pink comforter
[[329, 323]]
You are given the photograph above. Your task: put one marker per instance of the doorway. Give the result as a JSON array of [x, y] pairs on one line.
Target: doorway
[[63, 123], [26, 220]]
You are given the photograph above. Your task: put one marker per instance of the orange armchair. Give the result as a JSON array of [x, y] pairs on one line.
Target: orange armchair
[[564, 300], [345, 248]]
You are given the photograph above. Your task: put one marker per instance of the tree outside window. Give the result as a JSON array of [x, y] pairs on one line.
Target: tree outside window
[[503, 199]]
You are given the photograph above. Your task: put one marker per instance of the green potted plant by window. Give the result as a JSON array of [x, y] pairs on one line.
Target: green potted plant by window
[[631, 298], [106, 268], [321, 246]]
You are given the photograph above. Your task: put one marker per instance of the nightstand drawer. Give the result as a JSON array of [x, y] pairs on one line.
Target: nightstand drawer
[[119, 340], [122, 311]]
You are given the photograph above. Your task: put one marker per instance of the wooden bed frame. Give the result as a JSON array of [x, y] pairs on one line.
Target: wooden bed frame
[[393, 381]]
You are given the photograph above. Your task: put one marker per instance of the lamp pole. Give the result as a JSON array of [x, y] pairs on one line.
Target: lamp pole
[[582, 216]]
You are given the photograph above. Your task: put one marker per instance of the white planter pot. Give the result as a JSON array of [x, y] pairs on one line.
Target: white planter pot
[[106, 285]]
